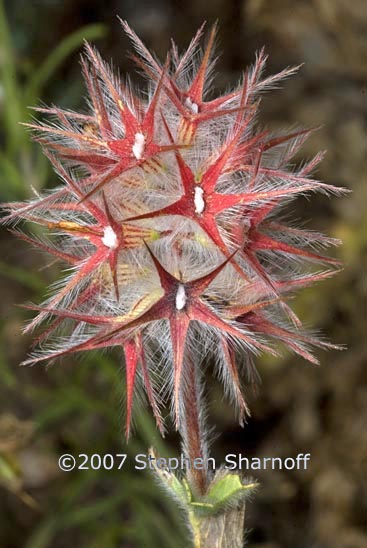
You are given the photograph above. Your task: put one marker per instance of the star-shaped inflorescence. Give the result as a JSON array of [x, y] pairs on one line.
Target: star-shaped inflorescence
[[168, 222]]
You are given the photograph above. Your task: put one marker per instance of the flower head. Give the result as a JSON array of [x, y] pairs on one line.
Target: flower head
[[167, 218]]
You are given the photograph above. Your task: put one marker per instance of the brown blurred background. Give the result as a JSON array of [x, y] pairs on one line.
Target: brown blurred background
[[75, 407]]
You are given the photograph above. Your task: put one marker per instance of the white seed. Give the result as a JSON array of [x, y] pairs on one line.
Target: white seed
[[139, 145], [180, 297], [199, 200], [191, 105], [109, 238]]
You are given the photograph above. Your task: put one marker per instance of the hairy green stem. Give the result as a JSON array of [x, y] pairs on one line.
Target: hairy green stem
[[224, 529]]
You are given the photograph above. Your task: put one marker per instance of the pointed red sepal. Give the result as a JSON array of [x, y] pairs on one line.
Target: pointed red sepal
[[195, 91], [262, 242], [95, 94], [148, 385], [108, 177], [198, 286], [230, 363], [81, 138], [195, 287], [96, 162], [167, 280], [291, 339], [234, 311], [132, 357], [203, 313], [214, 171], [93, 319], [66, 257], [84, 271], [149, 118], [288, 285], [186, 174], [113, 262], [263, 275], [276, 141], [179, 325], [82, 298], [93, 343], [209, 225], [140, 47], [127, 117]]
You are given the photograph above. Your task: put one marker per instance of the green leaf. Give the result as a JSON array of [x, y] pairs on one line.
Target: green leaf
[[227, 489], [178, 490]]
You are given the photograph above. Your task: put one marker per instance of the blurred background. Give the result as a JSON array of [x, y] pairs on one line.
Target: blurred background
[[76, 406]]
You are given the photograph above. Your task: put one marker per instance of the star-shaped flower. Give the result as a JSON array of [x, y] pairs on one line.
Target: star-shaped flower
[[180, 304]]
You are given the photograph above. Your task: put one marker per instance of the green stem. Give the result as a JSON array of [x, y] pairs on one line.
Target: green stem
[[221, 529]]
